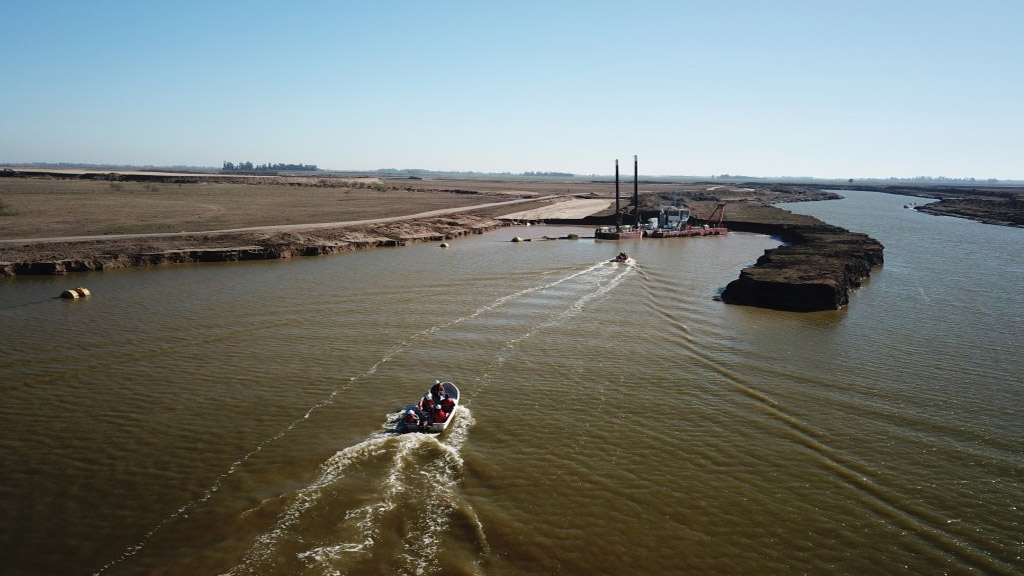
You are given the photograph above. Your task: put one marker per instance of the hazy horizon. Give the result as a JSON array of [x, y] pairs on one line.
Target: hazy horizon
[[625, 174]]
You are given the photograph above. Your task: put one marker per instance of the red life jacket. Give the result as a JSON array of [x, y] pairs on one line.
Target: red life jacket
[[448, 405], [426, 404]]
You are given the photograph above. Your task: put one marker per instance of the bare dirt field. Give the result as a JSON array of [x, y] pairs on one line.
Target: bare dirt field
[[71, 203], [41, 207], [64, 216], [76, 204], [56, 221]]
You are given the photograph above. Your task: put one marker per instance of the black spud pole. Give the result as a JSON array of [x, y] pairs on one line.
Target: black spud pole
[[618, 215], [636, 193]]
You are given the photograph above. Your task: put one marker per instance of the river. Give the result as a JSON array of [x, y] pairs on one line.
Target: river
[[617, 419]]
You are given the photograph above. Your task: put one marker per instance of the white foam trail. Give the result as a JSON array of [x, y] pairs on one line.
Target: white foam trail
[[422, 542], [331, 470], [505, 299], [573, 309]]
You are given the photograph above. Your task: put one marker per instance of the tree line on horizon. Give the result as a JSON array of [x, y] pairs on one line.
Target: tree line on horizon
[[279, 167], [471, 172]]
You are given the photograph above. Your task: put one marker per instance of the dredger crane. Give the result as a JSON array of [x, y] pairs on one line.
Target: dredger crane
[[720, 210]]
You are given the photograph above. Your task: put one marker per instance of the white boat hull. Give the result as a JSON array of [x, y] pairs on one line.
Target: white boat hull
[[452, 391]]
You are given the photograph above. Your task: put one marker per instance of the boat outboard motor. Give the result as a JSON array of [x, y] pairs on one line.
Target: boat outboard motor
[[410, 420], [424, 419]]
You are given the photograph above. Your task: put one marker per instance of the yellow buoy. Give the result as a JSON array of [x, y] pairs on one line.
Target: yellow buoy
[[517, 239], [444, 244], [69, 294], [83, 291]]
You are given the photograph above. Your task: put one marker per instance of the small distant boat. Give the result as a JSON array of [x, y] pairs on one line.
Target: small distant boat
[[434, 412], [622, 257]]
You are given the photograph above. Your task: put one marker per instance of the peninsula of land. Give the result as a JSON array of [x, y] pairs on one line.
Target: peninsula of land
[[55, 222], [990, 204]]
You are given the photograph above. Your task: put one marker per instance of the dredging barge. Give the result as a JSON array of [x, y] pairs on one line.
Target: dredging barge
[[672, 222], [618, 231]]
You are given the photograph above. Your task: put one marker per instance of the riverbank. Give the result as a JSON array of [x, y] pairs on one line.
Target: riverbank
[[996, 205], [65, 256], [58, 223], [816, 269]]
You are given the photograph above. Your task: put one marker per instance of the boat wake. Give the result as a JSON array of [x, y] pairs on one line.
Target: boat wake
[[595, 282], [391, 498], [408, 478], [408, 519], [851, 471]]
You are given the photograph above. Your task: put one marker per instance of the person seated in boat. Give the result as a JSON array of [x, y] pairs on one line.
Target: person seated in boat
[[439, 415], [411, 418], [443, 409], [426, 404], [437, 392], [447, 405], [622, 257]]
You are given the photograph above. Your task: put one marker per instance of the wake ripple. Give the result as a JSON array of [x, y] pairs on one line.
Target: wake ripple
[[857, 475], [607, 277]]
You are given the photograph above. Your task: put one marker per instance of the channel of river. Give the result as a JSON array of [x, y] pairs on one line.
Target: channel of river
[[617, 419]]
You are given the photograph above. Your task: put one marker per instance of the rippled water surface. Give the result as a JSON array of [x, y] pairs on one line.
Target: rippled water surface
[[235, 419]]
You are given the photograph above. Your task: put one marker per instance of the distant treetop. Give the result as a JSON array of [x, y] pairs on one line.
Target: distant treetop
[[250, 167]]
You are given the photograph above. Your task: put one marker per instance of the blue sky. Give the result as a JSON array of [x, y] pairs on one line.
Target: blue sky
[[775, 88]]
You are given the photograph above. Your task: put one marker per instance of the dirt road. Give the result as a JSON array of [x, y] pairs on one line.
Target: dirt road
[[566, 209], [555, 212]]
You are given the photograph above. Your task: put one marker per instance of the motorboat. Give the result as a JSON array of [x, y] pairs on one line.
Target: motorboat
[[622, 257], [434, 412]]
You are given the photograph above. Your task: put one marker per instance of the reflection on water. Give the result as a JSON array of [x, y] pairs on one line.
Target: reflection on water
[[236, 418]]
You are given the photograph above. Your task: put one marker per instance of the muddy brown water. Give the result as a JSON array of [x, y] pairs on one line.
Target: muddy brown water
[[234, 419]]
